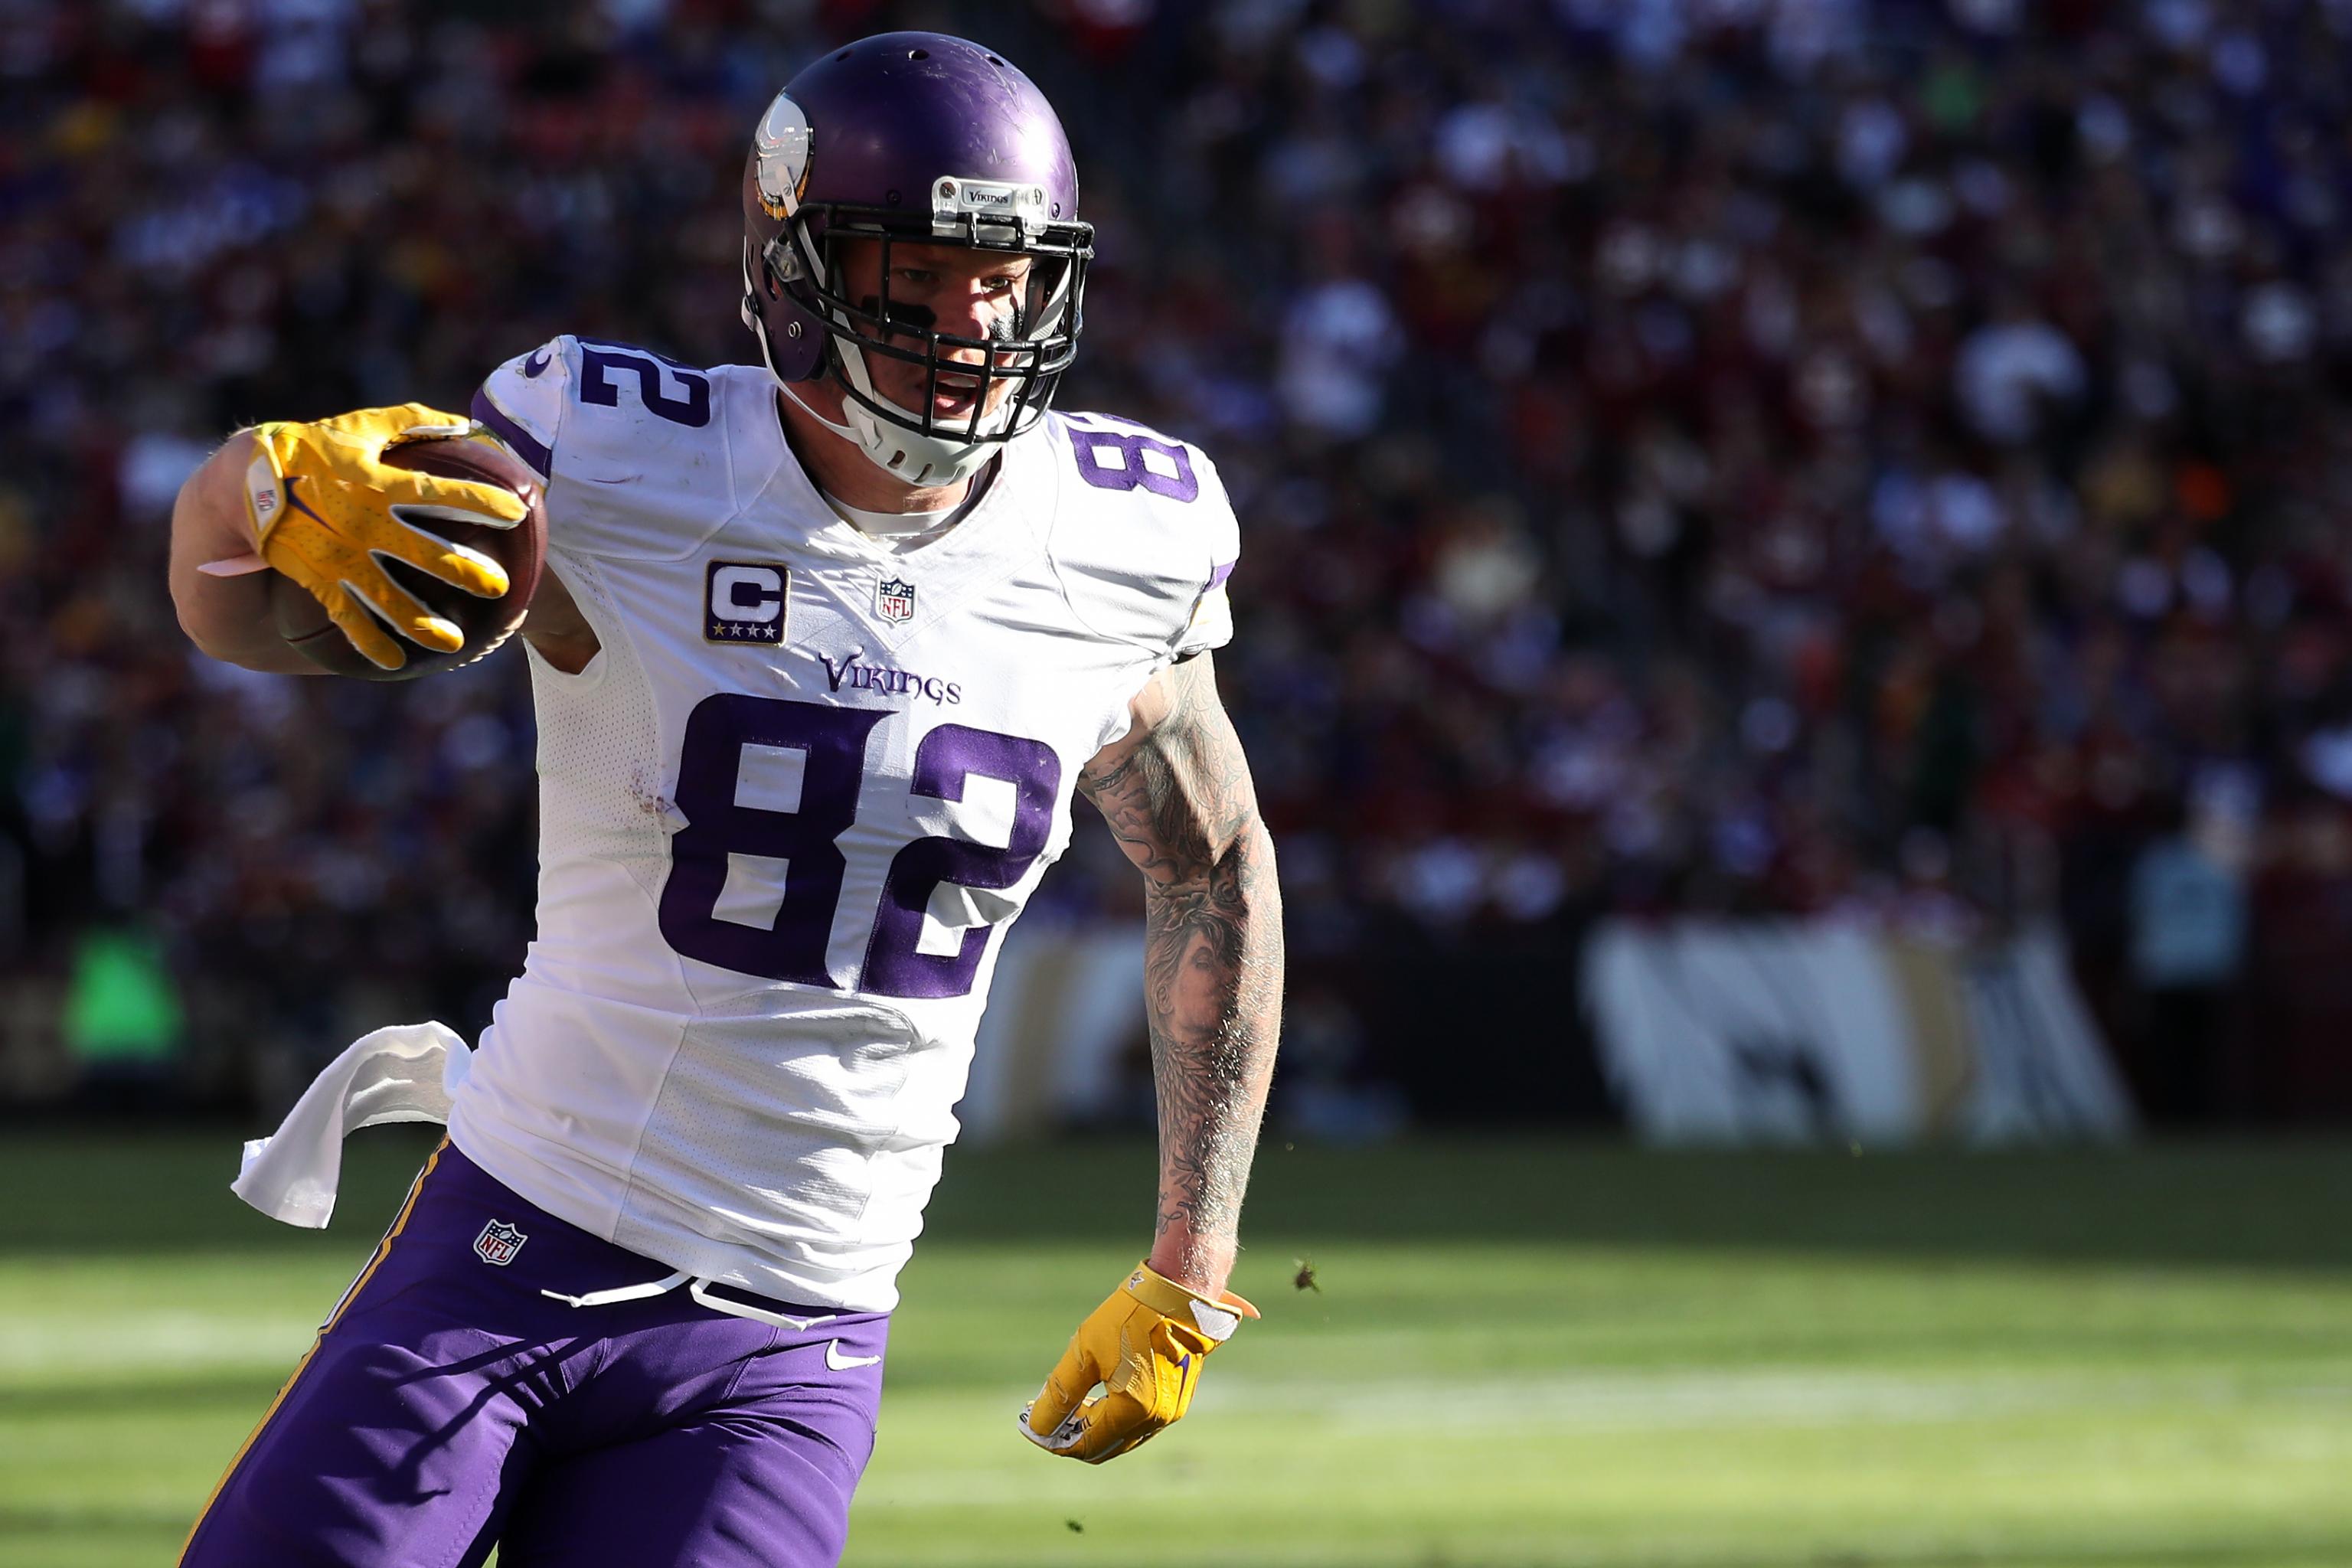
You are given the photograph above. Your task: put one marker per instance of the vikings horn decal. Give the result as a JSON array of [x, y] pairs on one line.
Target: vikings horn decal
[[781, 143]]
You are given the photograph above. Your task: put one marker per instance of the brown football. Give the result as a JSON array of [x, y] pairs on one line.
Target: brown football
[[521, 550]]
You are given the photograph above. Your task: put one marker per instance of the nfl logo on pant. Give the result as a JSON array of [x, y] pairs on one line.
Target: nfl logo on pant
[[894, 600], [498, 1243]]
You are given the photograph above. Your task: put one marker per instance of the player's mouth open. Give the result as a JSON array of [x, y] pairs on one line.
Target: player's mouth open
[[954, 393]]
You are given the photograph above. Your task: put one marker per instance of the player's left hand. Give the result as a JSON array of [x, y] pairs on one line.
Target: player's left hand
[[1145, 1346]]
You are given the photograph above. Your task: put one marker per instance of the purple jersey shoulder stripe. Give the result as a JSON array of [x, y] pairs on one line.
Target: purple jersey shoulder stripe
[[1216, 578], [520, 441]]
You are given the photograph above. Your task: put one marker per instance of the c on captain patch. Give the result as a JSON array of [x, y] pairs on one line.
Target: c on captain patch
[[498, 1243], [744, 601]]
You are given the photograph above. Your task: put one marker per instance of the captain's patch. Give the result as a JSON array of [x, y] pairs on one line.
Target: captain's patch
[[744, 601]]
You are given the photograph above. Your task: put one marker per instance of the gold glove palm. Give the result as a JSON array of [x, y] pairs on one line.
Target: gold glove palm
[[1145, 1346], [326, 508]]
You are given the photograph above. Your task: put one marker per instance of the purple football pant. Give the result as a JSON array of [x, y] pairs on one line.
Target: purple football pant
[[448, 1405]]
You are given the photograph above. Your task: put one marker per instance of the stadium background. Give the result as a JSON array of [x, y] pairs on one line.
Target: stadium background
[[1882, 465]]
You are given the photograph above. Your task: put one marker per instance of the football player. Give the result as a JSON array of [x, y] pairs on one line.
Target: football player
[[824, 647]]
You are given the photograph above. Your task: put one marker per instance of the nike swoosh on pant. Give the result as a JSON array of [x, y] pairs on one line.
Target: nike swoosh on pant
[[840, 1362]]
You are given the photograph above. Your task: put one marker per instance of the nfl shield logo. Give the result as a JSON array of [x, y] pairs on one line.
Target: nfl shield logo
[[498, 1243], [894, 600]]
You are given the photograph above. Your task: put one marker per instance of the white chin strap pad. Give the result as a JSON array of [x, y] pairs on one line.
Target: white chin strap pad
[[907, 455]]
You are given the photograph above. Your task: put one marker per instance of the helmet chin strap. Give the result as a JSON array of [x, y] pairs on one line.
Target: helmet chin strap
[[912, 458], [907, 455], [835, 426]]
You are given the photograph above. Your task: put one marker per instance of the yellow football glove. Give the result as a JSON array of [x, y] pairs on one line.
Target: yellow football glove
[[325, 507], [1145, 1346]]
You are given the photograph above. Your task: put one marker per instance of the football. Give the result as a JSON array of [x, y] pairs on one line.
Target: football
[[520, 549]]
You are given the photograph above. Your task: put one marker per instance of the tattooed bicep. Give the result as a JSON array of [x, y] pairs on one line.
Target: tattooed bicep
[[1176, 789], [1162, 719]]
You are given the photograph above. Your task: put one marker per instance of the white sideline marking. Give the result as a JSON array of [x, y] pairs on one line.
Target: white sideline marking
[[180, 1340], [1684, 1399]]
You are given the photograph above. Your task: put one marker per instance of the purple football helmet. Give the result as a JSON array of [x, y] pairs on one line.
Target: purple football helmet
[[924, 139]]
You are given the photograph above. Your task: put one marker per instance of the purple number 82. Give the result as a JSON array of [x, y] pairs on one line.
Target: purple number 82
[[721, 827], [1127, 471]]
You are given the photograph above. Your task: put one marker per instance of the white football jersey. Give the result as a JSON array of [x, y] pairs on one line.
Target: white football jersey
[[788, 811]]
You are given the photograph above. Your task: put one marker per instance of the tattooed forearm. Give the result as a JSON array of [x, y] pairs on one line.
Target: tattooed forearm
[[1177, 794]]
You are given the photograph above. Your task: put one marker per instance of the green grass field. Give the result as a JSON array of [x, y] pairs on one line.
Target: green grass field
[[1523, 1353]]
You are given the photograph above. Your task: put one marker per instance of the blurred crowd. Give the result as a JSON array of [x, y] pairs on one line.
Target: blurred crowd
[[1881, 461]]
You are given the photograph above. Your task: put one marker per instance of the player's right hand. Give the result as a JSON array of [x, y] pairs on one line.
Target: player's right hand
[[326, 508]]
